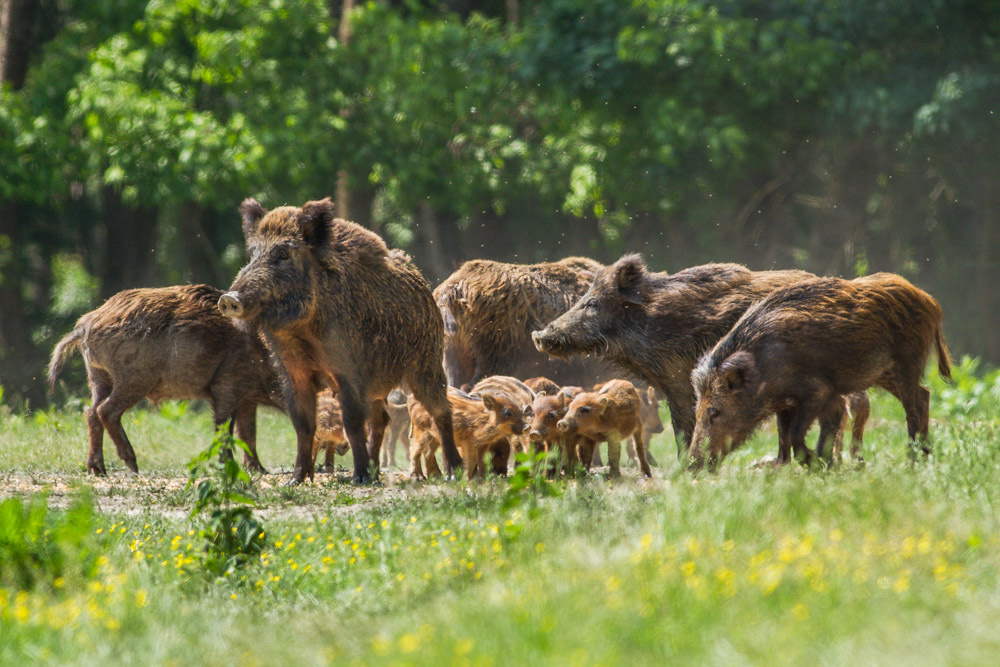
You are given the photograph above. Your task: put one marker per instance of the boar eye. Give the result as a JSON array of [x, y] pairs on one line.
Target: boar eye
[[591, 304], [713, 412], [552, 413], [508, 413], [281, 255], [585, 410]]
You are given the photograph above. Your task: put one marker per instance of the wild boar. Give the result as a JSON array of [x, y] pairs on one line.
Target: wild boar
[[482, 423], [490, 309], [656, 326], [542, 384], [547, 411], [610, 415], [167, 342], [520, 394], [339, 309], [329, 429], [399, 424], [799, 351]]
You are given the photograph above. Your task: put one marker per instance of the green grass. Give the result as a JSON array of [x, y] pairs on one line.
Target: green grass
[[887, 563]]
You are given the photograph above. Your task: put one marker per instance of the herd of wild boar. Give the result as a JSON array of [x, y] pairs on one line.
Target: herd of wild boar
[[328, 324]]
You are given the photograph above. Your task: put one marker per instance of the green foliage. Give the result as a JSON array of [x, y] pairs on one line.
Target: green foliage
[[43, 548], [231, 535], [971, 394], [530, 480]]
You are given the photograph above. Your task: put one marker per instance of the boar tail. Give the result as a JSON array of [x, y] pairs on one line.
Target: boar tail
[[69, 343], [944, 361]]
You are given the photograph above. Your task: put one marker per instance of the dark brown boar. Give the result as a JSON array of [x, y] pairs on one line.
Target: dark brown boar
[[168, 342], [399, 424], [802, 349], [656, 326], [611, 415], [490, 309], [329, 429], [340, 310], [483, 423]]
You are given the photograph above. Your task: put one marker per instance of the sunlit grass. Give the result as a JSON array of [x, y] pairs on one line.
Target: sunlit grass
[[891, 562]]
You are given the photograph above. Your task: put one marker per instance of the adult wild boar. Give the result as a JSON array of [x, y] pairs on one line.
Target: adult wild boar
[[168, 342], [490, 309], [338, 309], [657, 325], [798, 352]]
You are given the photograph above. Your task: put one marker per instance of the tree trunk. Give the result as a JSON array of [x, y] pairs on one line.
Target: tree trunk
[[129, 244], [16, 20]]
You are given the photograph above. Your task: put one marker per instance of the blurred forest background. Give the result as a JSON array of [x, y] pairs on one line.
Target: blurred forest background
[[839, 137]]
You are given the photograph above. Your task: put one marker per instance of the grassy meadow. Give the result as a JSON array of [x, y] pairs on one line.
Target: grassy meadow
[[885, 563]]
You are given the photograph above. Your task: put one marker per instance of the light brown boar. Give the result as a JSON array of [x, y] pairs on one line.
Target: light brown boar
[[608, 415], [521, 394], [542, 384], [340, 310], [799, 351], [167, 342], [481, 423], [547, 411], [330, 435], [490, 309], [399, 425]]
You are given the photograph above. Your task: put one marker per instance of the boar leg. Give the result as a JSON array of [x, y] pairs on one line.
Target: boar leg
[[378, 419], [417, 447], [614, 456], [110, 411], [784, 418], [861, 409], [681, 401], [918, 418], [501, 457], [302, 411], [354, 410], [246, 430], [586, 448], [640, 452], [831, 425], [430, 460], [100, 388], [434, 398]]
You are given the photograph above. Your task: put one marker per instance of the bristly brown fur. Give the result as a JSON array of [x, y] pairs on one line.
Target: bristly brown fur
[[168, 342], [490, 309], [656, 325], [340, 310]]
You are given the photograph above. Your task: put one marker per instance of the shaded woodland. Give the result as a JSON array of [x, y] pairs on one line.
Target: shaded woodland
[[838, 137]]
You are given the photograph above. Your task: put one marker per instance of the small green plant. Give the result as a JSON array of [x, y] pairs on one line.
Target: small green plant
[[231, 533], [39, 547], [529, 481]]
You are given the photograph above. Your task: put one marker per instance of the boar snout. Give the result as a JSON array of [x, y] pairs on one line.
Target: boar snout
[[562, 425], [229, 304], [538, 338], [535, 435]]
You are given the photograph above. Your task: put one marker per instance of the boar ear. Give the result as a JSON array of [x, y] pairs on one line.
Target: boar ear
[[488, 401], [252, 212], [540, 393], [313, 220], [736, 369], [604, 400], [651, 395], [527, 410], [630, 271]]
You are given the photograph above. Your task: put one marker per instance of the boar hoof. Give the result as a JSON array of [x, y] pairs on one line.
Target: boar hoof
[[361, 480]]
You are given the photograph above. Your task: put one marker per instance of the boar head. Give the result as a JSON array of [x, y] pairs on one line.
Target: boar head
[[729, 406], [507, 416], [605, 319], [548, 410]]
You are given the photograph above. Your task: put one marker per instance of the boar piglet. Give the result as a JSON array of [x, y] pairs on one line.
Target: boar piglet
[[802, 349], [329, 429], [399, 424], [547, 411], [339, 309], [611, 414], [655, 326], [490, 309], [542, 384], [168, 342], [481, 423], [522, 395]]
